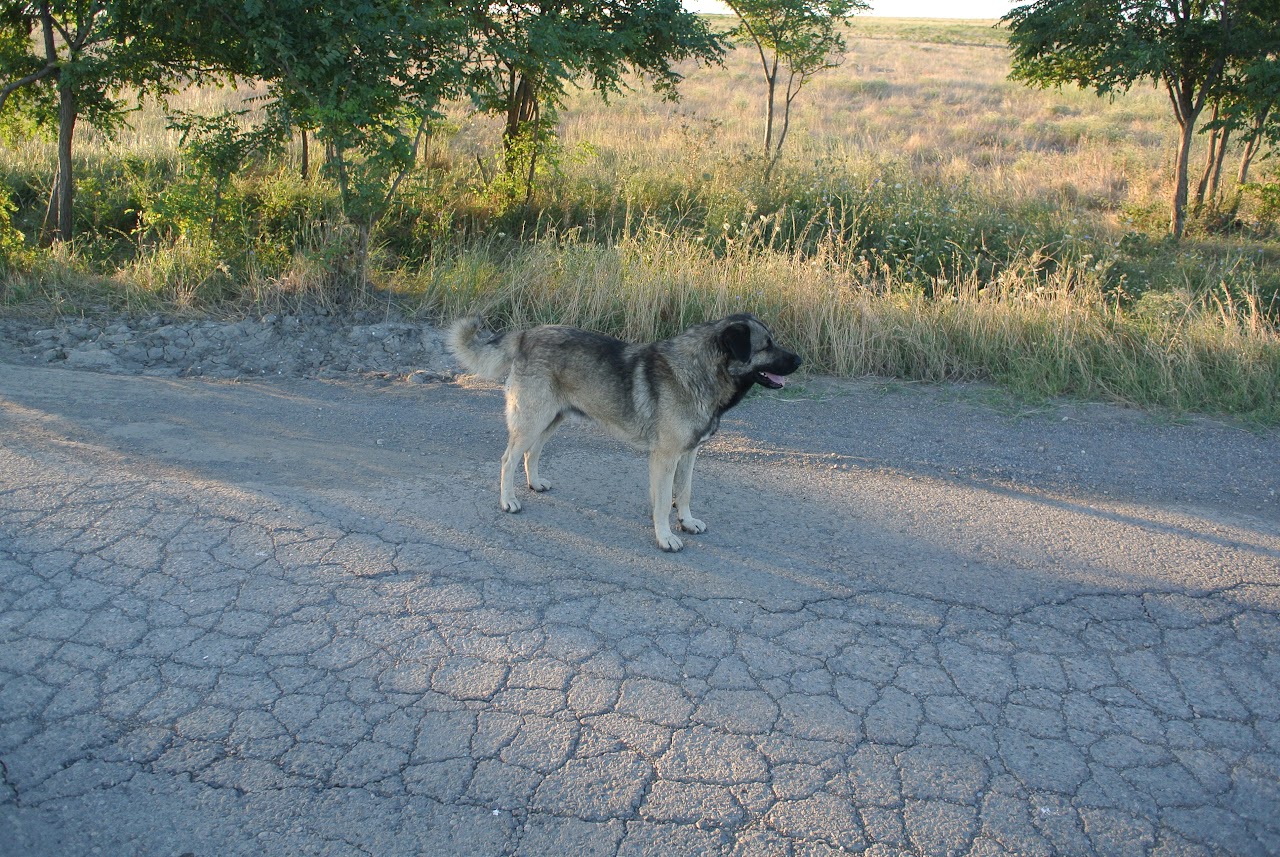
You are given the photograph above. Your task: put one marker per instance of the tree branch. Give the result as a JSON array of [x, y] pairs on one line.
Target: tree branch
[[47, 26], [9, 88]]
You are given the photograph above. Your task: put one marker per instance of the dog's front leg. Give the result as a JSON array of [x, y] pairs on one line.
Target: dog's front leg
[[662, 476], [684, 488]]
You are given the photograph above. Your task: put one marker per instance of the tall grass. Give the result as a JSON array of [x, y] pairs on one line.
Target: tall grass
[[1065, 336]]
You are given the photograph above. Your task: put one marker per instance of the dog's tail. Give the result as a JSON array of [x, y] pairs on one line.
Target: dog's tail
[[484, 354]]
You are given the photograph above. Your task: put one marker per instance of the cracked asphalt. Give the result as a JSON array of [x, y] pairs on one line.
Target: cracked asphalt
[[287, 617]]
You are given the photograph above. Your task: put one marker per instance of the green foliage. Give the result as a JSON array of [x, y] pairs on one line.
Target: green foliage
[[1107, 45], [91, 49], [529, 160], [217, 149], [14, 255], [218, 146], [1267, 195], [1251, 94], [553, 43], [351, 68], [803, 35], [367, 74]]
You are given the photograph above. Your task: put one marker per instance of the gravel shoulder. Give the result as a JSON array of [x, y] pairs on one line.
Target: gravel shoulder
[[257, 598]]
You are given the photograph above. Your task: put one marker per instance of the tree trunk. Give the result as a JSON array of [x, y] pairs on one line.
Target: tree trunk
[[1246, 160], [771, 76], [306, 156], [57, 221], [535, 137], [522, 108], [365, 234], [1203, 186], [524, 125], [1251, 147], [793, 89], [1178, 215], [1215, 180]]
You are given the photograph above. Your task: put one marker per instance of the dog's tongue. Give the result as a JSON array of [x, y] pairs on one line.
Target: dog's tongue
[[777, 379]]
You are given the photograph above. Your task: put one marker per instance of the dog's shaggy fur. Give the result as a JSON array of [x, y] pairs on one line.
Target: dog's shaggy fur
[[665, 398]]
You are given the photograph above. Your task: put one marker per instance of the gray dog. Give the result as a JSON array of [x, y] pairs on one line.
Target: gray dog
[[665, 398]]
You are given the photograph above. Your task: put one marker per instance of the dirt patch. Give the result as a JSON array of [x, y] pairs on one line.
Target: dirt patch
[[312, 345]]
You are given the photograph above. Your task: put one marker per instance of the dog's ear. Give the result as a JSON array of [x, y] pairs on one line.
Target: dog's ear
[[735, 340]]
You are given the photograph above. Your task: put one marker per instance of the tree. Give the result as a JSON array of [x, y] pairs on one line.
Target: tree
[[531, 51], [367, 75], [68, 60], [1110, 45], [1245, 106], [1255, 108], [799, 38]]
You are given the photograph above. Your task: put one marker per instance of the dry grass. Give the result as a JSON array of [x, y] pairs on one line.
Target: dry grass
[[1063, 337], [942, 109]]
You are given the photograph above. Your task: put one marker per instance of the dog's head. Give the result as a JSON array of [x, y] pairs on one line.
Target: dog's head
[[753, 357]]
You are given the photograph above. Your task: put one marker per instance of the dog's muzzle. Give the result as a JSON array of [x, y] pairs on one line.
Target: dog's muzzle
[[772, 376]]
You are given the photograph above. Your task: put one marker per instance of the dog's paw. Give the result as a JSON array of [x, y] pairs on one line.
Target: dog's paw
[[670, 542], [540, 485], [512, 505], [692, 525]]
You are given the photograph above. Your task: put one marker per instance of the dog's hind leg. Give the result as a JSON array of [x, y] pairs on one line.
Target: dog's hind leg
[[662, 475], [684, 488], [532, 457], [516, 445], [528, 429]]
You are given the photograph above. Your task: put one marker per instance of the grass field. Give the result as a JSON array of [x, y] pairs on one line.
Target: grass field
[[929, 220]]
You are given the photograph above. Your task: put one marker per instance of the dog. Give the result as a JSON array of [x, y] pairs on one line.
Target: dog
[[665, 398]]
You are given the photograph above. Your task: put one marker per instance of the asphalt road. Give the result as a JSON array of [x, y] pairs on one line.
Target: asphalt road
[[289, 618]]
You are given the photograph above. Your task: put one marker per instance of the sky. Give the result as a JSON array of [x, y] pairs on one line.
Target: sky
[[905, 8]]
